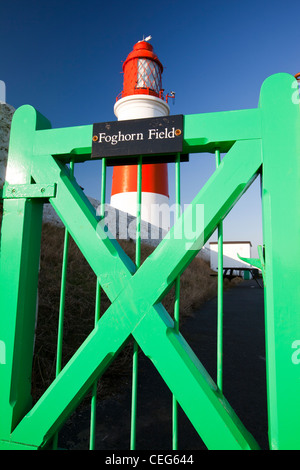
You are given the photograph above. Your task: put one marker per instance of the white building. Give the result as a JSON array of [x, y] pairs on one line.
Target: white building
[[231, 250]]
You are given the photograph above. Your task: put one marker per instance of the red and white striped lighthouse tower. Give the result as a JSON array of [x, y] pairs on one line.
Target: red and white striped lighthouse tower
[[142, 97]]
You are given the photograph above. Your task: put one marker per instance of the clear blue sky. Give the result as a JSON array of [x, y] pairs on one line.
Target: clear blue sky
[[65, 59]]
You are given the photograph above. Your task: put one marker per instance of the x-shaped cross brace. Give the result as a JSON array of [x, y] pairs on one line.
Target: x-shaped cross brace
[[136, 309]]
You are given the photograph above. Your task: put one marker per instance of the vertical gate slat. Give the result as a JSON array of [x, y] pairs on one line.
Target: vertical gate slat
[[97, 315], [61, 315], [135, 344], [220, 296], [176, 304]]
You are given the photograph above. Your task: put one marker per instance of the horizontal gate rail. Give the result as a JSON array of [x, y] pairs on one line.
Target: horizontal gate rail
[[255, 141]]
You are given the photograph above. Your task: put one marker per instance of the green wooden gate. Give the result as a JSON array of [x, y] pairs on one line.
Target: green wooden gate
[[263, 141]]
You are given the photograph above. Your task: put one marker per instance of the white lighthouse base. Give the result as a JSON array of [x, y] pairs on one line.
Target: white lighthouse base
[[155, 207], [140, 106]]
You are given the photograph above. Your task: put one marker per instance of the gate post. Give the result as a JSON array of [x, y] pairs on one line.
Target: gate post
[[19, 266], [281, 227]]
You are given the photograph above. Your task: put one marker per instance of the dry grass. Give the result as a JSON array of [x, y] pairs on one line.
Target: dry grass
[[197, 286]]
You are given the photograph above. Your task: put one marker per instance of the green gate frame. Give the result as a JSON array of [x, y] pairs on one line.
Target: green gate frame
[[265, 140]]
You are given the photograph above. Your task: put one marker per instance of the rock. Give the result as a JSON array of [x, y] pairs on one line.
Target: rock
[[6, 114]]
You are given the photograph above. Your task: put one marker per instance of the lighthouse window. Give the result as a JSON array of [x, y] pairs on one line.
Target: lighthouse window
[[148, 75]]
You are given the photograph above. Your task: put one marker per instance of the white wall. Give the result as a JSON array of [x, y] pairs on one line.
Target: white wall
[[230, 254]]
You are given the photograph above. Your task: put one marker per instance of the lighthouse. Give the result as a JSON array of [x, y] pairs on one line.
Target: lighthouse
[[142, 97]]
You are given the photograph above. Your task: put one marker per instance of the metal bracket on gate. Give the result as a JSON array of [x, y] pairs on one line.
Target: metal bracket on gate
[[17, 191], [257, 262]]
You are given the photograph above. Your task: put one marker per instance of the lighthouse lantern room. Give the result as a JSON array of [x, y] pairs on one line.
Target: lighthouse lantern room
[[142, 72]]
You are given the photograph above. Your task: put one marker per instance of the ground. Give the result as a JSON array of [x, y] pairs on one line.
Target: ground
[[244, 383]]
